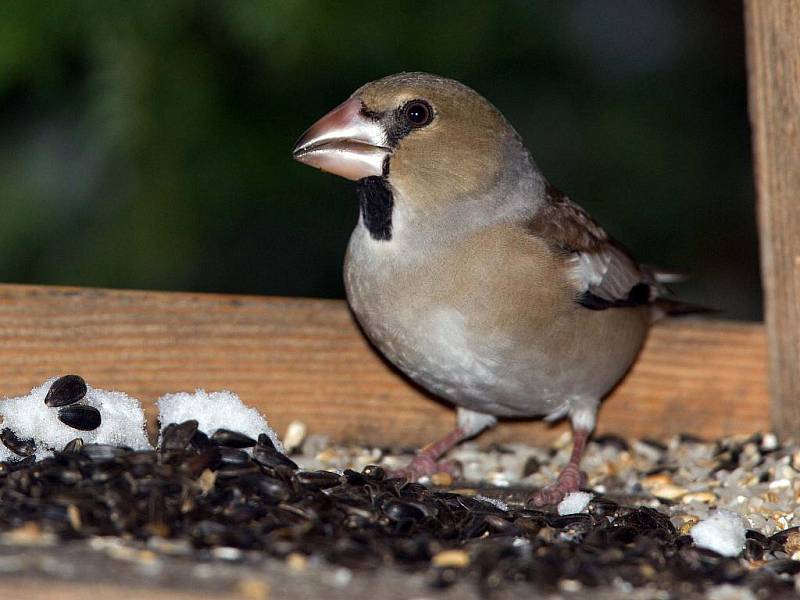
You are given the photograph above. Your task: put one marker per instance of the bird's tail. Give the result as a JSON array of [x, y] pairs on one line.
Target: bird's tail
[[666, 307], [665, 276]]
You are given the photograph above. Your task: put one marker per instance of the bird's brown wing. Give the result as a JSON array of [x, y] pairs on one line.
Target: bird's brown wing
[[605, 273]]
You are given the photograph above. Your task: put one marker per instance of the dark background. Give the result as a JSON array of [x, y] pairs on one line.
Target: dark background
[[146, 144]]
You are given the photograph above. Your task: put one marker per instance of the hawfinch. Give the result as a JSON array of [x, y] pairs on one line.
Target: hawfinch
[[471, 273]]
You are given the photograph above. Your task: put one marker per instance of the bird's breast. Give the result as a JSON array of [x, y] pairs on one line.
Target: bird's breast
[[410, 313], [483, 333]]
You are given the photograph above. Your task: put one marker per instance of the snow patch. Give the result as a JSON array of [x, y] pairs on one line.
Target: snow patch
[[496, 502], [574, 503], [212, 411], [723, 532], [122, 421]]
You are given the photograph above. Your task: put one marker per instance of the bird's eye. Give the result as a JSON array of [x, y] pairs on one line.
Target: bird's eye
[[418, 113]]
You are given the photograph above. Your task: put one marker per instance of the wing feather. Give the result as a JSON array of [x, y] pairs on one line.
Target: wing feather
[[605, 274]]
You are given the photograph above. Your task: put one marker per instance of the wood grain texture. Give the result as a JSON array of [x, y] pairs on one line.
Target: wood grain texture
[[773, 52], [305, 359]]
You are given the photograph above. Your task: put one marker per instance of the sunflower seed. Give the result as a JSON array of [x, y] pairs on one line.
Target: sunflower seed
[[177, 436], [269, 488], [81, 416], [16, 445], [66, 390], [200, 442], [265, 441], [272, 458], [232, 439], [102, 452], [318, 480], [73, 446], [233, 456]]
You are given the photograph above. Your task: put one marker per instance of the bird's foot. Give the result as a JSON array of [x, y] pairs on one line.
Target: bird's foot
[[570, 480], [426, 463], [425, 466]]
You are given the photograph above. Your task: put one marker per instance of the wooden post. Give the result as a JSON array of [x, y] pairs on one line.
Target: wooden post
[[773, 58]]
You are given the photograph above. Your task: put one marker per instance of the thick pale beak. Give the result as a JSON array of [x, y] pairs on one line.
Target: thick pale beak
[[344, 142]]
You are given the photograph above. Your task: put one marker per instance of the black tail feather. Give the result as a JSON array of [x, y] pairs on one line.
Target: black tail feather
[[676, 308]]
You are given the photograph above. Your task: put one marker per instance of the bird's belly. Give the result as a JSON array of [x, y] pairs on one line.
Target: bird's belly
[[438, 351]]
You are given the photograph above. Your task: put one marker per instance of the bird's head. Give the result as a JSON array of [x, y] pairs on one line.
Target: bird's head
[[434, 140]]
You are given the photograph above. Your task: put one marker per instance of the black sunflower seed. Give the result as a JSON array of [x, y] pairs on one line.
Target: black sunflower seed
[[197, 463], [268, 488], [73, 446], [623, 535], [398, 510], [16, 445], [232, 439], [200, 442], [355, 478], [177, 436], [757, 535], [753, 549], [265, 441], [66, 390], [232, 456], [532, 465], [232, 475], [783, 535], [81, 416], [374, 472], [319, 480], [603, 507], [102, 452], [272, 458], [497, 524], [562, 522]]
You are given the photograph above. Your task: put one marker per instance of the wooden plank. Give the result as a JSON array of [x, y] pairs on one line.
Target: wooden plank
[[773, 52], [305, 359]]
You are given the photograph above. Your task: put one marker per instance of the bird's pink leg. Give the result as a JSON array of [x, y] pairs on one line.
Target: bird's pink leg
[[426, 462], [571, 478]]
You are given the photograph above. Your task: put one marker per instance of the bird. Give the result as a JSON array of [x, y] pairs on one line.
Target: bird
[[475, 276]]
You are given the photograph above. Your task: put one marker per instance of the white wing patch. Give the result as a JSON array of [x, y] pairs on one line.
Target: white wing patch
[[609, 273]]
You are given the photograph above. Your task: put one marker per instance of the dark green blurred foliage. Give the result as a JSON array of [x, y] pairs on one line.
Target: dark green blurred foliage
[[146, 144]]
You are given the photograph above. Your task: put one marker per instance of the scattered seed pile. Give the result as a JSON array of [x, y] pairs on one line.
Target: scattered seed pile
[[753, 476], [232, 491]]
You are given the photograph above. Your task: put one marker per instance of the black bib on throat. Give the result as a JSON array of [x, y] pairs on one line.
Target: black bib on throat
[[375, 201]]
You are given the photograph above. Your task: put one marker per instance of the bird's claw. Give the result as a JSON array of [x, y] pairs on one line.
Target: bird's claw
[[425, 466], [570, 480]]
